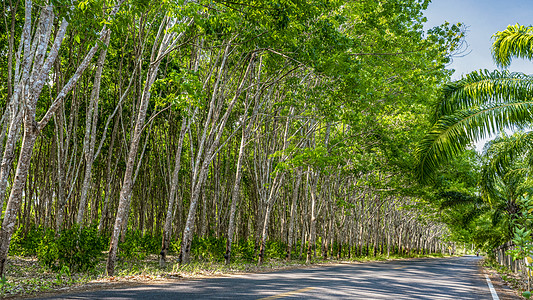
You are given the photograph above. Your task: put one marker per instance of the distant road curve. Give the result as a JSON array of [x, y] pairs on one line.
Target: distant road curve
[[427, 278]]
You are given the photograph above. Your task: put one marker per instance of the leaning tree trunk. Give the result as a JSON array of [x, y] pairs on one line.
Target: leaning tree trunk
[[33, 84], [215, 136], [270, 204], [125, 192], [238, 174], [15, 198], [90, 132], [235, 197], [167, 40]]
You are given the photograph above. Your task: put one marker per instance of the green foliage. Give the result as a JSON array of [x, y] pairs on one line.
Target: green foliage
[[26, 243], [515, 41], [3, 283], [526, 294], [137, 245], [208, 248], [244, 249], [522, 230], [65, 271], [480, 104], [74, 248], [451, 134], [275, 249]]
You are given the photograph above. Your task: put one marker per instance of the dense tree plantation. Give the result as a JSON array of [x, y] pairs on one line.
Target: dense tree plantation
[[223, 130]]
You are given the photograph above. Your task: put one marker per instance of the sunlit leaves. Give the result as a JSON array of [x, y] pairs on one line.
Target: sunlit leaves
[[515, 41], [181, 89], [480, 87], [450, 135], [480, 104]]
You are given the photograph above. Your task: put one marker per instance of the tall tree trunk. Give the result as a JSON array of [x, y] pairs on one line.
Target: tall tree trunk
[[215, 136], [270, 204], [166, 39], [294, 207], [90, 132], [15, 198], [108, 178], [235, 196], [312, 223], [167, 230], [34, 83]]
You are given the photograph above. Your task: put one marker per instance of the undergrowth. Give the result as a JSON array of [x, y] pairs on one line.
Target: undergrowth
[[43, 260]]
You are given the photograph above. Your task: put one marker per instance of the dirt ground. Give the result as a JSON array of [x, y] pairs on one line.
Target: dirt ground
[[27, 279]]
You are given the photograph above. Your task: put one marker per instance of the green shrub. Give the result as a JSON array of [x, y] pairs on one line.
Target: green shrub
[[244, 249], [26, 244], [151, 243], [208, 248], [78, 249], [137, 245], [131, 248], [175, 246], [275, 249]]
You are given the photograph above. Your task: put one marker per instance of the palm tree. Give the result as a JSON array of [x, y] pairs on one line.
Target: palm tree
[[496, 209], [505, 172], [480, 104]]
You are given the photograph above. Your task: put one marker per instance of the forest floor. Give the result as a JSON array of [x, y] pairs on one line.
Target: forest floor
[[27, 278]]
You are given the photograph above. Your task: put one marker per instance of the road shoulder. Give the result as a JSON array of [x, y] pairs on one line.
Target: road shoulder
[[503, 290]]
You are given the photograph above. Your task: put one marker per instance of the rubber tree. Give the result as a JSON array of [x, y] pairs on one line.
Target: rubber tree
[[36, 66]]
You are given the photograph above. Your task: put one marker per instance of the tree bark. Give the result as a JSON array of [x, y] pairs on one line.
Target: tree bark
[[294, 207], [167, 230], [90, 132], [165, 40], [215, 136]]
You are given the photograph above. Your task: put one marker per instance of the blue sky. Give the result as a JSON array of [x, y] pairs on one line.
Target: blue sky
[[483, 19]]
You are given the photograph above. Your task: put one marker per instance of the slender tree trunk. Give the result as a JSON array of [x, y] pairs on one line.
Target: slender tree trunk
[[167, 230], [108, 178], [15, 198], [90, 132], [312, 223], [270, 204], [235, 197], [166, 39], [215, 136], [294, 204], [34, 83]]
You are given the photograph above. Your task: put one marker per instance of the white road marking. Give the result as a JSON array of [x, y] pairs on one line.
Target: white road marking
[[491, 288]]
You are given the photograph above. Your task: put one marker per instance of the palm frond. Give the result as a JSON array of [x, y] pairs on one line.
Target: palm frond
[[497, 217], [504, 170], [455, 199], [482, 87], [490, 186], [515, 41], [504, 151], [451, 134]]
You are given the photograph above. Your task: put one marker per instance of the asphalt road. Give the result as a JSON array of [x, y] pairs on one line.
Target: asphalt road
[[430, 278]]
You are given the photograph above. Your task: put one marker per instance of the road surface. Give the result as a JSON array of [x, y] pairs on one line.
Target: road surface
[[428, 278]]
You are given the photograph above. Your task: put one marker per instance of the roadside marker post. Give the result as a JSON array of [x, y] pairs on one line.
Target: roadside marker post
[[528, 261]]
